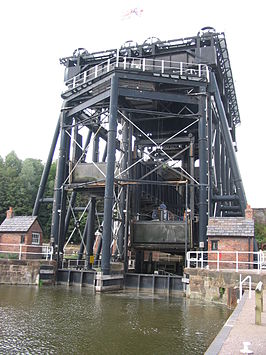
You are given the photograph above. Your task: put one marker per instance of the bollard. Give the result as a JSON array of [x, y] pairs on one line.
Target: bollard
[[246, 350], [258, 302]]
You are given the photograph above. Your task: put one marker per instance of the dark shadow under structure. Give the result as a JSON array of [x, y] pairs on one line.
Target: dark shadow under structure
[[140, 127]]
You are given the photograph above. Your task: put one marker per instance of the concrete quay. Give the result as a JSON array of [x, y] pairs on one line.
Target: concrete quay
[[241, 327]]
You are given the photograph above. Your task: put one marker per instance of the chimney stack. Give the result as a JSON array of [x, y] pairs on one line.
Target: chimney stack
[[248, 212], [10, 213]]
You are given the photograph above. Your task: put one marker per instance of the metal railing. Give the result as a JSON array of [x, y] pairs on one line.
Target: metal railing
[[183, 70], [25, 251], [219, 260], [78, 264], [241, 282]]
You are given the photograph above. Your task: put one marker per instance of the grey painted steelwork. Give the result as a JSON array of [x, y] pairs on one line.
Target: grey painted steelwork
[[157, 235], [169, 284], [160, 121], [46, 170], [109, 185]]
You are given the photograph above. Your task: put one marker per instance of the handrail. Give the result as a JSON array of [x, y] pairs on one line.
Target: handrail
[[241, 282], [164, 67], [219, 259], [26, 249]]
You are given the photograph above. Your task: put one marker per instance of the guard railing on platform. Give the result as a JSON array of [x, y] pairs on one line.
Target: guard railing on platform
[[78, 264], [183, 70], [218, 260], [25, 251]]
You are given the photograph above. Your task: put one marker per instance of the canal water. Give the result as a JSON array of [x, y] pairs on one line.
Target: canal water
[[60, 320]]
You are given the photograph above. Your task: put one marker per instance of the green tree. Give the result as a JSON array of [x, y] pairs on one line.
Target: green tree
[[11, 184], [2, 190], [260, 233]]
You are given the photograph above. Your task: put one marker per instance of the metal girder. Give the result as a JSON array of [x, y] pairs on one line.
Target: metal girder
[[160, 96], [88, 103], [160, 79], [178, 140]]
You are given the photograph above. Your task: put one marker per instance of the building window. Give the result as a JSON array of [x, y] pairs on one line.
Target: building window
[[22, 239], [35, 238], [214, 244]]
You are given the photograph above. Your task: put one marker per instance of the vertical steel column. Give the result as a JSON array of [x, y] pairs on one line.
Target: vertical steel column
[[104, 153], [223, 172], [62, 214], [128, 197], [81, 247], [203, 171], [227, 172], [122, 201], [191, 187], [210, 162], [90, 232], [87, 142], [217, 161], [109, 185], [46, 171], [76, 156], [60, 176], [229, 144], [95, 150]]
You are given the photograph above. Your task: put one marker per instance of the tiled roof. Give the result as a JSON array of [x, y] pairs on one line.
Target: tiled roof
[[230, 226], [17, 224]]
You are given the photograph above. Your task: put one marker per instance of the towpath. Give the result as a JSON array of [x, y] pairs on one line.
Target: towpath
[[240, 328]]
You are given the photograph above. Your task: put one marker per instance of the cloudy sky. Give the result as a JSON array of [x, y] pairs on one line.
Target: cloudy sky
[[36, 33]]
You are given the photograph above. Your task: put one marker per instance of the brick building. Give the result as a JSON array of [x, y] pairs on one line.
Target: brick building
[[227, 234], [21, 234]]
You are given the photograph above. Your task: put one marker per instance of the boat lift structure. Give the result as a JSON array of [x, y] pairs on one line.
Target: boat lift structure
[[143, 126]]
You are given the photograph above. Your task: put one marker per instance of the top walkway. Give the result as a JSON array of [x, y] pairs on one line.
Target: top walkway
[[191, 71], [241, 327]]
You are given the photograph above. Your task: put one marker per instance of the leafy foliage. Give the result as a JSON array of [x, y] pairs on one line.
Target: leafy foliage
[[19, 182], [260, 232]]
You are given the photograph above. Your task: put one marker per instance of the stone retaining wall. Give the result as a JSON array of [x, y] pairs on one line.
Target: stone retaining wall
[[219, 286], [21, 272]]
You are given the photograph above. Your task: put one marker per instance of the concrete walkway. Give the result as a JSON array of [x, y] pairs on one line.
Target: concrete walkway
[[239, 328]]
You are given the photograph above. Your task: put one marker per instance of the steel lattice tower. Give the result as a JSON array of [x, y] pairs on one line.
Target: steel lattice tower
[[139, 126]]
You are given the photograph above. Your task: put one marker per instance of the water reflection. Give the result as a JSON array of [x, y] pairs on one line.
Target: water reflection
[[63, 320]]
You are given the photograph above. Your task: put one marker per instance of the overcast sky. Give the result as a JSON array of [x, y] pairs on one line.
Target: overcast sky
[[36, 33]]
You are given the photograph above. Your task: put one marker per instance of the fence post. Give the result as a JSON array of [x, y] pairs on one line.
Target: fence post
[[258, 302], [236, 261], [218, 257], [143, 64], [199, 70], [201, 259], [20, 251], [51, 252]]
